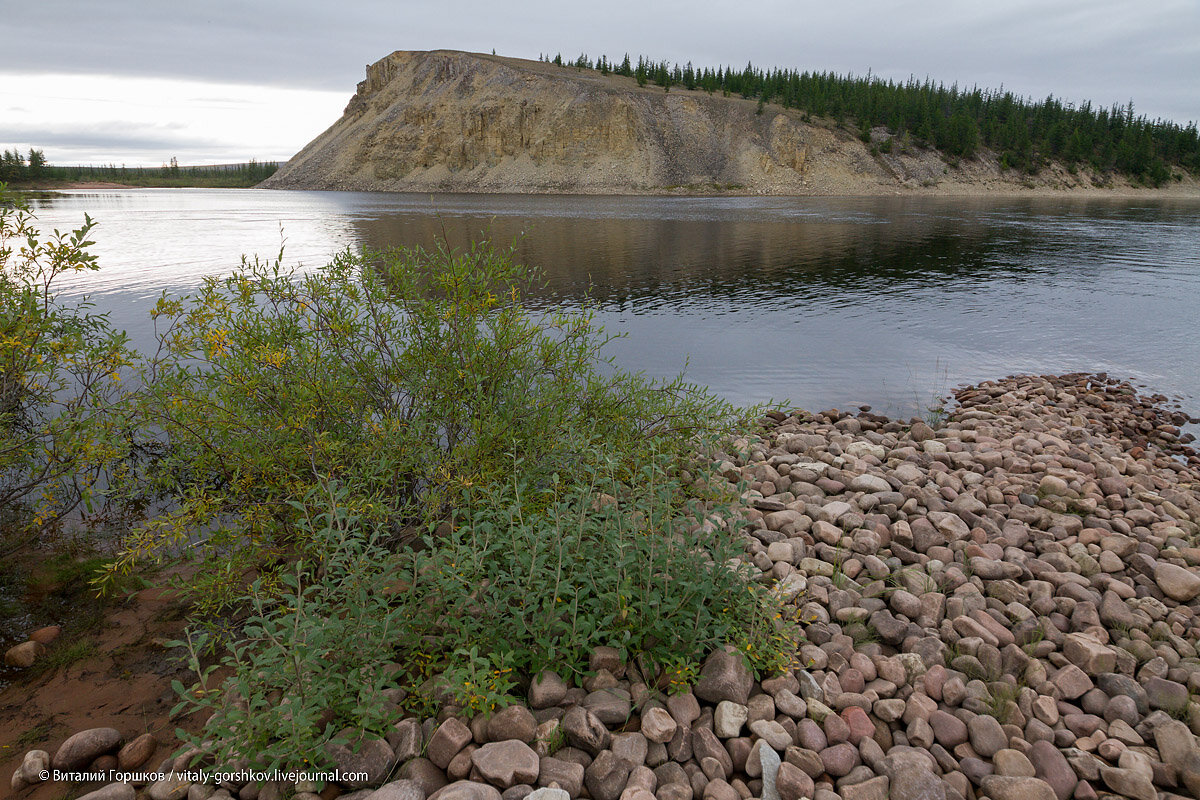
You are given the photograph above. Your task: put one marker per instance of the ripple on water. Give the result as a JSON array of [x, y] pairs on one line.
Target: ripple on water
[[874, 300]]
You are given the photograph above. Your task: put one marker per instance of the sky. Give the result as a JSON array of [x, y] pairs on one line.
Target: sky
[[138, 82]]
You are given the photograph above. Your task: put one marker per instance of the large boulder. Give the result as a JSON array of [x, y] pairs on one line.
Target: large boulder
[[1005, 787], [466, 790], [371, 759], [725, 676], [80, 750], [1179, 749], [449, 738], [1177, 583], [507, 763]]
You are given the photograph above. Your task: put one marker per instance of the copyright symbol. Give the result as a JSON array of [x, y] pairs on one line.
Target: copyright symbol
[[44, 774]]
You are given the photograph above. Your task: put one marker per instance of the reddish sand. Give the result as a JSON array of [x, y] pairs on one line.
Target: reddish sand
[[126, 684]]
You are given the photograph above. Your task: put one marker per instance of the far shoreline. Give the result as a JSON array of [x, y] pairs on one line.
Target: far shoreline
[[1190, 191]]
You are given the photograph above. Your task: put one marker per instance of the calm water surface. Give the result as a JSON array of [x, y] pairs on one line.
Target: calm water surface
[[824, 302]]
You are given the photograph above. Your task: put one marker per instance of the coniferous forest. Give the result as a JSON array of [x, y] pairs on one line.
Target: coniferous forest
[[1024, 134], [35, 170]]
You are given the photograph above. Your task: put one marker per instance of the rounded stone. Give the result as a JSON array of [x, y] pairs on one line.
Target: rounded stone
[[1052, 766], [398, 790], [46, 635], [84, 747], [546, 690], [466, 790], [611, 706], [506, 764], [1177, 583], [948, 730], [873, 788], [915, 783], [425, 774], [371, 759], [449, 738], [547, 793], [810, 736], [772, 732], [835, 728], [1013, 763], [137, 752], [606, 777], [23, 655], [1006, 787], [405, 739], [859, 724], [728, 719], [658, 725], [720, 790], [1129, 783], [113, 791], [839, 759], [584, 730], [172, 786], [514, 722], [793, 783], [568, 775], [724, 676], [987, 736]]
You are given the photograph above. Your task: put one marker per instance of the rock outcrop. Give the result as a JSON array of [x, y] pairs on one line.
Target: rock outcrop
[[447, 121], [450, 121]]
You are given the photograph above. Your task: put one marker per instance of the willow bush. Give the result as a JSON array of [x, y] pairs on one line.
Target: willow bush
[[293, 685], [611, 560], [396, 450], [410, 377], [555, 503], [515, 587], [62, 436]]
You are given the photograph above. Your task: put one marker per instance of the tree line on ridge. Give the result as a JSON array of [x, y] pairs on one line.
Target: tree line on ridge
[[1025, 134]]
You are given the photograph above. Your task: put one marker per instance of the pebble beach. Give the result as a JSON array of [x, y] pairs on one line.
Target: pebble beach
[[1000, 601]]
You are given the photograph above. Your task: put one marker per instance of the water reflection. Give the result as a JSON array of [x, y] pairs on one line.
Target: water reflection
[[823, 301], [707, 262]]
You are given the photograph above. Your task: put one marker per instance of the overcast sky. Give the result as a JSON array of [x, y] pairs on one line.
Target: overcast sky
[[140, 81]]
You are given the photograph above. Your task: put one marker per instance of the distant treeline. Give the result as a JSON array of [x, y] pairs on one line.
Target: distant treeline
[[33, 169], [1024, 133]]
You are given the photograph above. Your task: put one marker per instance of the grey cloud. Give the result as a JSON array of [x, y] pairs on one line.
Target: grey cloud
[[112, 135], [1103, 50], [221, 101]]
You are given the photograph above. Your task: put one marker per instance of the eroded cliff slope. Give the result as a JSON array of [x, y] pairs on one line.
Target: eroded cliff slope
[[447, 121]]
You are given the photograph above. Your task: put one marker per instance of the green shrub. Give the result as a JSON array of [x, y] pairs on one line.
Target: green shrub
[[604, 561], [311, 660], [411, 377], [560, 503], [305, 428], [516, 587], [61, 435]]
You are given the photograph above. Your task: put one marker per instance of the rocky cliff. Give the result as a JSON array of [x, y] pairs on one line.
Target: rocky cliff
[[447, 121]]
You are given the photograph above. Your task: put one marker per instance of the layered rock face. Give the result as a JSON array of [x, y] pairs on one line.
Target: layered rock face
[[451, 121]]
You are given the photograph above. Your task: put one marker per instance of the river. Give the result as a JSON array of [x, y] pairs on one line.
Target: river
[[821, 302]]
